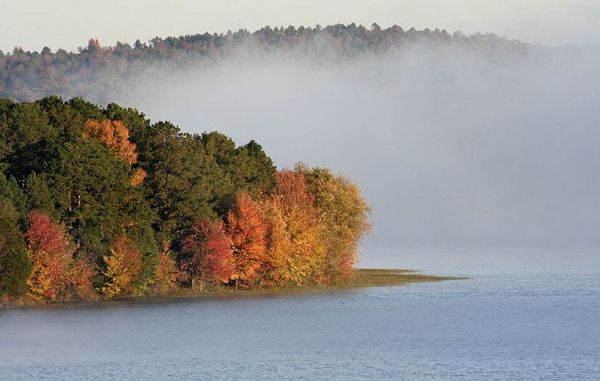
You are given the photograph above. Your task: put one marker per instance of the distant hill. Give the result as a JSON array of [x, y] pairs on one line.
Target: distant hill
[[26, 76]]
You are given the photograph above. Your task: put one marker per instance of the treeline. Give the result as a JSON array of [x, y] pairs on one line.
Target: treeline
[[99, 202], [26, 76]]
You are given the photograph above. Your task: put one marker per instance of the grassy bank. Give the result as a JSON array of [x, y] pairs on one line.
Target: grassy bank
[[362, 278], [390, 277]]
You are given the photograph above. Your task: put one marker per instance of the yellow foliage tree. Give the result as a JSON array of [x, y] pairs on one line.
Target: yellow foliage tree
[[166, 272], [343, 212], [123, 268], [279, 246]]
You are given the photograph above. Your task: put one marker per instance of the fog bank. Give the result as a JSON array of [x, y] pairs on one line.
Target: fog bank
[[454, 147]]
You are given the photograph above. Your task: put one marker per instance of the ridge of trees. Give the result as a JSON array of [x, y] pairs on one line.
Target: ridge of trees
[[205, 212], [30, 75]]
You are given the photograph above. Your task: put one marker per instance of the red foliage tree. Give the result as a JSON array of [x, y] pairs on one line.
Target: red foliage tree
[[45, 235], [247, 228], [207, 253], [51, 253], [293, 189]]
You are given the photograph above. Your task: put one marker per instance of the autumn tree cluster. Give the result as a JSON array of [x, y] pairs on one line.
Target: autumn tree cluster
[[306, 231], [99, 202]]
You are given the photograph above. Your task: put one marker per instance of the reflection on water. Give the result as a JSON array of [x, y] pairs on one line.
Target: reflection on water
[[490, 327]]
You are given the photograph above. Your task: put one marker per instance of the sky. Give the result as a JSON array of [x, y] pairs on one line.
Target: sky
[[69, 24]]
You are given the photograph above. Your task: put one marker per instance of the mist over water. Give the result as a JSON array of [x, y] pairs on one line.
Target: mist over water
[[459, 149]]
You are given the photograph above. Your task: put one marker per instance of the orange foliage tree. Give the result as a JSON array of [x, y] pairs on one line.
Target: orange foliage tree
[[247, 229], [123, 268], [207, 255], [114, 135], [81, 275], [138, 177], [295, 228]]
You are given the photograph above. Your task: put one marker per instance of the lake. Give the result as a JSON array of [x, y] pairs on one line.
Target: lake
[[496, 326]]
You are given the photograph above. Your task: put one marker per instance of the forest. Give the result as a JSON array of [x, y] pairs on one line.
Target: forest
[[96, 70], [98, 202]]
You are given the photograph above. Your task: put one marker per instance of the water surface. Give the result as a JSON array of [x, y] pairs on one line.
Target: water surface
[[493, 327]]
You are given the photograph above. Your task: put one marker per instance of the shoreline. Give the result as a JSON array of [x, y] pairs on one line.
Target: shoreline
[[364, 278]]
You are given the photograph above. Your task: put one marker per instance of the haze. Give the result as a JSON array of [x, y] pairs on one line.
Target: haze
[[454, 148]]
